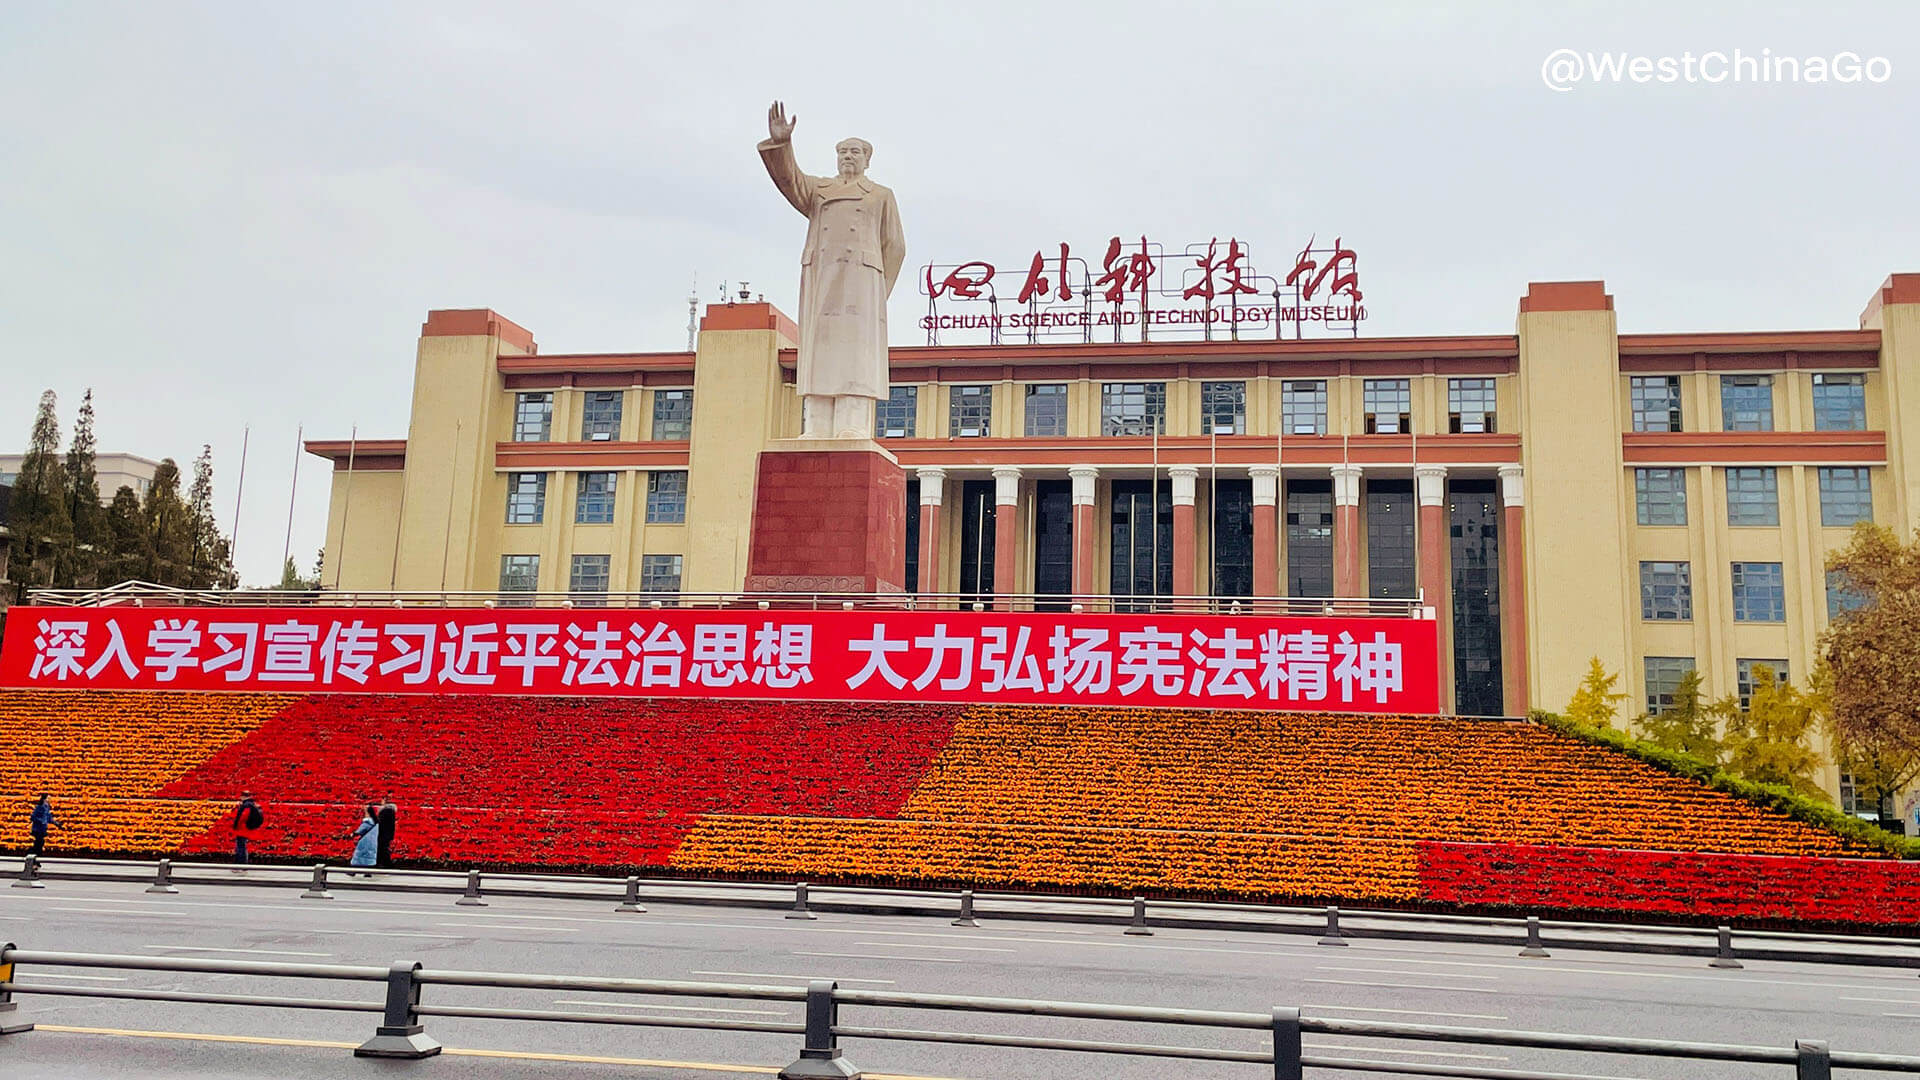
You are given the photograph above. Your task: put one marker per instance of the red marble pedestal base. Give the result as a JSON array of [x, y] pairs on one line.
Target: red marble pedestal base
[[828, 520]]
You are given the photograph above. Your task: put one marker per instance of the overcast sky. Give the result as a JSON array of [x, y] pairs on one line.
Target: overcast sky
[[222, 216]]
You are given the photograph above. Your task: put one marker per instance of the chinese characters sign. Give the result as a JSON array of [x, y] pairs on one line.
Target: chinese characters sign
[[1345, 665], [1136, 290]]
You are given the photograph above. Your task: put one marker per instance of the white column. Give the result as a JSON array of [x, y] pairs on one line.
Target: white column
[[1266, 484], [1083, 477], [932, 480], [1183, 478], [1430, 484], [1346, 485], [1006, 485], [1513, 491]]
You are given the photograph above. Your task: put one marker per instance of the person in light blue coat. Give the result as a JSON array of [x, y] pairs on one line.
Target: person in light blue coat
[[366, 840]]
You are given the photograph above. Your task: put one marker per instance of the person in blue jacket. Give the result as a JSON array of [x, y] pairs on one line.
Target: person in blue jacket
[[40, 821], [366, 839]]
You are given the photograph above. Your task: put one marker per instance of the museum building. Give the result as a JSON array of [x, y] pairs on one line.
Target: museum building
[[1660, 501]]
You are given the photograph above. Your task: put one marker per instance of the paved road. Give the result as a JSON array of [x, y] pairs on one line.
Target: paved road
[[1478, 986]]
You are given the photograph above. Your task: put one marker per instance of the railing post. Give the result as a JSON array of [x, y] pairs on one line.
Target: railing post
[[29, 874], [1333, 935], [966, 909], [1286, 1044], [800, 902], [1138, 927], [1534, 946], [317, 889], [163, 878], [7, 1008], [472, 897], [1723, 951], [632, 901], [820, 1058], [1814, 1063], [400, 1034]]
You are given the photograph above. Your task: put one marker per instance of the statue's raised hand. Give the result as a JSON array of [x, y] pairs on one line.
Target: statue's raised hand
[[778, 125]]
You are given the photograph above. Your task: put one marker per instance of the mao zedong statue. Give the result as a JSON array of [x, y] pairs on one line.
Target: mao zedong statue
[[855, 248]]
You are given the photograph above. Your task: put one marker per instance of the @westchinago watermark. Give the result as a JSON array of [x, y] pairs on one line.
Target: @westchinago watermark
[[1564, 69]]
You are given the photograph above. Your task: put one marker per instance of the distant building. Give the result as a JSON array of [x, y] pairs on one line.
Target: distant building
[[114, 472]]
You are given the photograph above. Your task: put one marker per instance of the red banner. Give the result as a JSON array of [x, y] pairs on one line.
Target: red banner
[[1338, 665]]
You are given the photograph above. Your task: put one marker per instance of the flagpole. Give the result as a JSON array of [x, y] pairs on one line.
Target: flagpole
[[346, 504], [239, 488], [299, 446]]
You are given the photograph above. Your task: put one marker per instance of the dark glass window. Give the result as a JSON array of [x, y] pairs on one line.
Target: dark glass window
[[1663, 680], [1744, 677], [1470, 405], [1047, 409], [971, 413], [1759, 592], [659, 573], [1303, 407], [1389, 406], [1223, 408], [1473, 512], [1666, 591], [589, 574], [532, 417], [977, 513], [673, 414], [894, 418], [910, 581], [526, 498], [1846, 496], [1660, 496], [1309, 538], [518, 573], [1233, 538], [1753, 496], [1133, 408], [1746, 402], [1390, 543], [1656, 402], [1839, 402], [1142, 542], [1052, 539], [600, 416], [594, 505], [667, 497]]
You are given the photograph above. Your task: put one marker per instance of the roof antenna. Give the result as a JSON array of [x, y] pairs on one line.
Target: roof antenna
[[693, 311]]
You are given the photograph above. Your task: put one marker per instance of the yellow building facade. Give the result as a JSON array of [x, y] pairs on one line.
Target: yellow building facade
[[1565, 491]]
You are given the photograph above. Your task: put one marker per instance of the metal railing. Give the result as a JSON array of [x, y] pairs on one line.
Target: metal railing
[[1331, 925], [143, 594], [401, 1032]]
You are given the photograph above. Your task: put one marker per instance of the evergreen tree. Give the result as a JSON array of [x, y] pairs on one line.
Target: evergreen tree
[[42, 527], [210, 558], [1689, 725], [84, 507], [169, 529], [1595, 702], [129, 555]]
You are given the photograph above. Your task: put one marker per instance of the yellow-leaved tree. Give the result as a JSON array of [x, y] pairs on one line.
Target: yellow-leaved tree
[[1596, 703]]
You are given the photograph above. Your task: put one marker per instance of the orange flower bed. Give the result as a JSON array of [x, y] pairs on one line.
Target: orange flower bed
[[1331, 775], [117, 826], [97, 744], [1021, 856]]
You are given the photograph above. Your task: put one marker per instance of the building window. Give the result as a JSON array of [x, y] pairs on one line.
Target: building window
[[1223, 408], [1841, 596], [1389, 406], [1660, 496], [526, 498], [1857, 799], [1303, 407], [1753, 497], [1839, 402], [971, 414], [1656, 402], [594, 504], [1846, 496], [1743, 677], [894, 417], [600, 416], [667, 498], [1666, 591], [1309, 538], [519, 573], [1759, 592], [1133, 408], [589, 575], [673, 414], [1663, 680], [1470, 406], [1391, 555], [532, 417], [1046, 409], [659, 573], [1746, 403]]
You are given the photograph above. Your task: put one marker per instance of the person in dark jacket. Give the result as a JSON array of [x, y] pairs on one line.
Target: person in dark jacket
[[247, 819], [389, 815], [40, 821]]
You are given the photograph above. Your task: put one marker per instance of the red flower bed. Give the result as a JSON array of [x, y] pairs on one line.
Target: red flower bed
[[559, 781], [1795, 888]]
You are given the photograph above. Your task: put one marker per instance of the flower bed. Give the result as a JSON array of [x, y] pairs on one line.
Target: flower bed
[[97, 744]]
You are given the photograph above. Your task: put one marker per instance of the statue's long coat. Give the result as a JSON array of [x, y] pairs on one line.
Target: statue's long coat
[[855, 248]]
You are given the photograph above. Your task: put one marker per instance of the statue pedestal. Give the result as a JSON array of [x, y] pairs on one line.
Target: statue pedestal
[[829, 515]]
